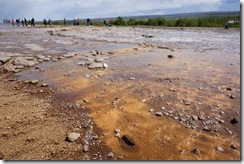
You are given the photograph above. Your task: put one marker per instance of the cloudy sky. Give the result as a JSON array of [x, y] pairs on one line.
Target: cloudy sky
[[69, 9]]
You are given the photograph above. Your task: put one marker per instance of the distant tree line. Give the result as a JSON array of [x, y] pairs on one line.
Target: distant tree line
[[213, 20]]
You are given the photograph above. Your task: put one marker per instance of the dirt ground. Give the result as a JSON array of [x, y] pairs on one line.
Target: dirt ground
[[154, 94]]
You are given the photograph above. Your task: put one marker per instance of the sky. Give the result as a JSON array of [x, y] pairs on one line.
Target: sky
[[70, 9]]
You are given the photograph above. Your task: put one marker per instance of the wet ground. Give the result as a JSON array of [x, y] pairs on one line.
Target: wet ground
[[170, 91]]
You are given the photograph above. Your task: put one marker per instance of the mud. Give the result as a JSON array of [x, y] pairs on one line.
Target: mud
[[145, 94]]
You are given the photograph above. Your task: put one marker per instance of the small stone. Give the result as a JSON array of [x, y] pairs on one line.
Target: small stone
[[201, 117], [187, 102], [206, 128], [117, 131], [143, 100], [218, 148], [222, 121], [118, 135], [73, 136], [44, 85], [87, 76], [222, 113], [234, 121], [86, 100], [172, 89], [151, 110], [120, 157], [105, 65], [110, 155], [196, 151], [158, 113], [170, 56], [194, 117], [128, 140], [228, 89], [41, 91], [233, 146], [132, 78], [85, 148], [34, 81]]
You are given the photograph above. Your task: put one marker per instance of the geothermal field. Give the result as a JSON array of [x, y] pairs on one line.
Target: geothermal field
[[119, 93]]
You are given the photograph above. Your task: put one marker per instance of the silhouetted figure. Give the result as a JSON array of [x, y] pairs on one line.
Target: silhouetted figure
[[25, 22], [65, 22], [33, 22]]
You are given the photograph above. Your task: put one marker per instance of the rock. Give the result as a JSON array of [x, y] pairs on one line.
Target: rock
[[4, 59], [128, 140], [118, 135], [39, 56], [85, 148], [24, 62], [99, 59], [234, 121], [222, 113], [201, 117], [1, 63], [158, 113], [228, 89], [218, 148], [233, 146], [194, 117], [196, 151], [206, 128], [143, 100], [117, 131], [46, 59], [170, 56], [34, 81], [69, 55], [81, 63], [87, 76], [121, 157], [110, 155], [9, 68], [132, 78], [94, 65], [151, 110], [73, 136], [44, 85], [186, 102], [105, 65], [172, 89], [86, 100]]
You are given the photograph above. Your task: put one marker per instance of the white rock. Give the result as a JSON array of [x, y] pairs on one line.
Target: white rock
[[73, 136]]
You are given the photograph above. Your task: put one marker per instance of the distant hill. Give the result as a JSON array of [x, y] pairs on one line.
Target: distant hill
[[177, 16]]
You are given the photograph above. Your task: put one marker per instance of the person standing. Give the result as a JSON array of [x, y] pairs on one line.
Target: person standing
[[13, 22], [49, 22], [33, 22], [227, 24], [74, 21], [65, 22], [25, 22], [22, 22]]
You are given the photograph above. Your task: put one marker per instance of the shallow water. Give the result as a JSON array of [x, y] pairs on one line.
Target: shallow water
[[206, 62]]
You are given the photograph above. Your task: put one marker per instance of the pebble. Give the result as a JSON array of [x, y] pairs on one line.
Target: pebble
[[117, 131], [132, 78], [201, 117], [172, 89], [44, 85], [87, 76], [34, 81], [233, 146], [187, 102], [73, 136], [86, 100], [196, 151], [206, 128], [218, 148], [194, 117], [234, 121], [86, 148], [105, 65], [110, 155], [158, 113], [151, 110]]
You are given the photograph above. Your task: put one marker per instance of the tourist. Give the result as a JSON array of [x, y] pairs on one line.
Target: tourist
[[49, 22], [227, 24], [64, 22], [22, 22], [13, 22], [45, 22], [74, 21], [33, 22], [25, 22]]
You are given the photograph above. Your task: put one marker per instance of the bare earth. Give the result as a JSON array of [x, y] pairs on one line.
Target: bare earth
[[129, 93]]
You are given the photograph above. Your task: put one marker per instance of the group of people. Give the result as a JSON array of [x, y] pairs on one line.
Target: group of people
[[107, 24], [49, 22], [77, 22], [18, 22]]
